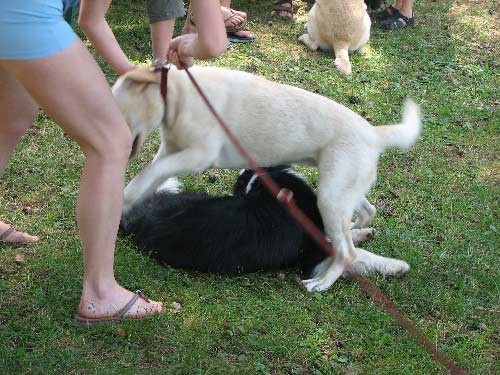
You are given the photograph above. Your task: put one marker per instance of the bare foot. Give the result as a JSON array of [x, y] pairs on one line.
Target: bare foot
[[283, 9], [234, 20], [112, 301], [10, 235]]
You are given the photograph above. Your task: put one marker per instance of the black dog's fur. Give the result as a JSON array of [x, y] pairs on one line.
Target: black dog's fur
[[246, 232]]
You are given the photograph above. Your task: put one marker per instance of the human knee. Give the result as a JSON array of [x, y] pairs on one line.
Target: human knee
[[15, 129], [114, 148]]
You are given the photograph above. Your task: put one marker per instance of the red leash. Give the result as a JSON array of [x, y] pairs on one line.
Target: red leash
[[285, 197]]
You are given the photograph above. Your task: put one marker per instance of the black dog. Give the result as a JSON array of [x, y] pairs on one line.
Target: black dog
[[247, 232]]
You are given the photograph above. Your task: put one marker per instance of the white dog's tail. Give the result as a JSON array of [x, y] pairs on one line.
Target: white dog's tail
[[405, 134]]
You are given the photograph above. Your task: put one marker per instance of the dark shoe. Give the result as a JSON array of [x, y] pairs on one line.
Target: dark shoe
[[398, 21], [388, 12]]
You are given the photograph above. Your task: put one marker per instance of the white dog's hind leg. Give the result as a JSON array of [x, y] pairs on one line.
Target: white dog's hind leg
[[365, 212], [367, 262], [328, 271], [336, 201]]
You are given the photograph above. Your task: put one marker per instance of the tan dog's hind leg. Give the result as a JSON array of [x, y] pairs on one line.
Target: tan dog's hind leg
[[342, 57]]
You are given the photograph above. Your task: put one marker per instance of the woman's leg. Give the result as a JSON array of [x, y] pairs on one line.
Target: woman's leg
[[406, 8], [17, 112], [162, 15], [72, 90]]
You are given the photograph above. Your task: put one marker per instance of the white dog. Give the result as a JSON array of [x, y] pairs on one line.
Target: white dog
[[341, 25], [277, 124]]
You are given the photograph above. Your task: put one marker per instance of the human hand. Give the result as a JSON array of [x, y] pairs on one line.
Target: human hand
[[182, 50]]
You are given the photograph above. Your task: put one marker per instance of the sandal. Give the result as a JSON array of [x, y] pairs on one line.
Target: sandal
[[279, 8], [397, 21], [390, 11], [233, 31], [12, 229], [117, 318]]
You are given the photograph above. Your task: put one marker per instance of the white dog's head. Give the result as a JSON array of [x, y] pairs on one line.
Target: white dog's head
[[139, 99]]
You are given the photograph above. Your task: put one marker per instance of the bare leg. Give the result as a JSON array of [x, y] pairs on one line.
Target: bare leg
[[161, 35], [60, 84], [406, 8], [17, 112]]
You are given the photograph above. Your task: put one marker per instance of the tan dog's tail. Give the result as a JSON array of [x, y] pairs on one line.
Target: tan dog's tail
[[405, 134]]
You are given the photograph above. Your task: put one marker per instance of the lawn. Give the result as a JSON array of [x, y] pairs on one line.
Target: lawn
[[438, 209]]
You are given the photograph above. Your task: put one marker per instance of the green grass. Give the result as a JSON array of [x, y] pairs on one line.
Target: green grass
[[437, 209]]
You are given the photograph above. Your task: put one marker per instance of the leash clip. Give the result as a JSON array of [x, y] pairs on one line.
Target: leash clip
[[160, 65], [285, 196]]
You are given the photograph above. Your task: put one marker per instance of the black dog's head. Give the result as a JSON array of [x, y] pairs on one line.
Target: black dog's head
[[248, 181]]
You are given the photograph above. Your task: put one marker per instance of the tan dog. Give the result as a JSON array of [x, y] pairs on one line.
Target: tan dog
[[283, 124], [341, 25]]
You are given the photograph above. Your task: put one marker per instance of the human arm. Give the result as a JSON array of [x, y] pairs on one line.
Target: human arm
[[210, 40], [93, 22]]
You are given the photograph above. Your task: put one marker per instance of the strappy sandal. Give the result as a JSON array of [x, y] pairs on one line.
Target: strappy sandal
[[232, 31], [390, 11], [397, 21], [8, 232], [279, 8], [119, 316]]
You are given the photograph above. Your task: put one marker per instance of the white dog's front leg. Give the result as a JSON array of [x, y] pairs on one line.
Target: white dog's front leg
[[189, 160]]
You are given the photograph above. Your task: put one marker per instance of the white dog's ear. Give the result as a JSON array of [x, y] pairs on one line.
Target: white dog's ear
[[142, 74]]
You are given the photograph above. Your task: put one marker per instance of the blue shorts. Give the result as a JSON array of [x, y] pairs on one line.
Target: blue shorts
[[31, 29]]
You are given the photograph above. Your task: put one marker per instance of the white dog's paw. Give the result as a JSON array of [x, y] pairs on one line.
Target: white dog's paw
[[171, 185], [394, 267], [316, 284], [363, 234]]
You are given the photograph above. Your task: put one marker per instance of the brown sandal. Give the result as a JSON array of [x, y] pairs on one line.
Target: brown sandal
[[117, 318], [279, 7]]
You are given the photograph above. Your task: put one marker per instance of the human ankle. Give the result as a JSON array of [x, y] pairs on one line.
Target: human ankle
[[100, 290]]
